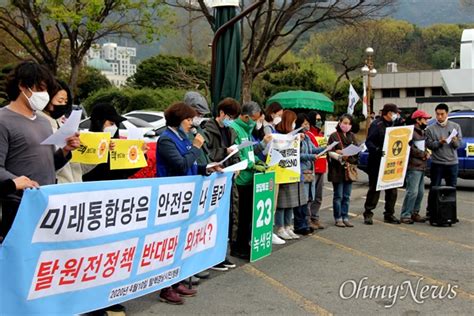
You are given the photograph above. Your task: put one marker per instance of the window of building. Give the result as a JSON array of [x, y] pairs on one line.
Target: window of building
[[390, 93], [438, 91], [415, 92]]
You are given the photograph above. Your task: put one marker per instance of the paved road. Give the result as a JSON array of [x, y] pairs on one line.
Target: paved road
[[305, 276]]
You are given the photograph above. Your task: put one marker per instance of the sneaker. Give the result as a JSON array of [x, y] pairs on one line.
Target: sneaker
[[290, 232], [240, 255], [220, 267], [229, 264], [340, 224], [391, 219], [184, 291], [194, 280], [368, 219], [406, 220], [277, 240], [417, 218], [347, 223], [170, 296], [282, 233], [203, 274]]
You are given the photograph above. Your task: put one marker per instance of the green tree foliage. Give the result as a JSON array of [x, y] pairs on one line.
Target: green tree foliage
[[164, 71], [90, 80], [129, 99]]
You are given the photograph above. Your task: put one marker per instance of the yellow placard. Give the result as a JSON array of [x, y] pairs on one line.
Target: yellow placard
[[469, 149], [284, 158], [322, 141], [94, 148], [127, 154]]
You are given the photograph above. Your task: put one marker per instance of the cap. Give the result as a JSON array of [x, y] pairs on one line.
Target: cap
[[197, 101], [420, 114], [390, 107], [103, 111]]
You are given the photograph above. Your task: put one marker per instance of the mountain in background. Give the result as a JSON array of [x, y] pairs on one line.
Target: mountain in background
[[420, 12]]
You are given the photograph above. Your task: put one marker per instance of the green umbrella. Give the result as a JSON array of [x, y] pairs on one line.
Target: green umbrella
[[300, 99]]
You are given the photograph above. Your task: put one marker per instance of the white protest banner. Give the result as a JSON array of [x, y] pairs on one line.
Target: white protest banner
[[394, 163]]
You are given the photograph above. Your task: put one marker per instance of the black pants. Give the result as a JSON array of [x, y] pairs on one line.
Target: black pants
[[9, 210], [373, 196], [244, 225]]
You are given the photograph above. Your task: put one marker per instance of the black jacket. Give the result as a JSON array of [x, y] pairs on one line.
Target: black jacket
[[216, 145], [7, 187]]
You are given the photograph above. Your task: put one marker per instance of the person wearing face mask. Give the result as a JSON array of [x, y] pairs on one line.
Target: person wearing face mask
[[243, 127], [308, 153], [60, 105], [415, 177], [273, 114], [342, 186], [444, 157], [374, 143], [320, 168], [220, 137], [22, 131], [104, 118]]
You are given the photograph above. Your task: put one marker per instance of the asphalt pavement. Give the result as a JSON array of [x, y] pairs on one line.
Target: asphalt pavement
[[366, 270]]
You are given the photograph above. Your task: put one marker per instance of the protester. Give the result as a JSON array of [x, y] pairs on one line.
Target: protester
[[59, 106], [273, 114], [220, 137], [374, 143], [177, 156], [415, 176], [22, 131], [320, 168], [339, 168], [243, 126], [444, 157], [291, 196]]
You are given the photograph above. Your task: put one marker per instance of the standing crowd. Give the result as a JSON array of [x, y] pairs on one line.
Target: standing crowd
[[39, 104]]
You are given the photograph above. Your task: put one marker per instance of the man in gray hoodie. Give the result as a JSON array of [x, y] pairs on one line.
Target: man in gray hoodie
[[444, 157]]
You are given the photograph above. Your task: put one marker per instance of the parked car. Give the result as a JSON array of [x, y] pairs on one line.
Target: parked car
[[465, 119], [150, 134], [155, 118]]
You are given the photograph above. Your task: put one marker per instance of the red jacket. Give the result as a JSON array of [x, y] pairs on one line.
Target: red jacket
[[320, 164]]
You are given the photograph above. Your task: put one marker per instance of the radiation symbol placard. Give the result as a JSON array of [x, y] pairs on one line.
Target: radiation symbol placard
[[127, 154], [94, 148], [397, 148]]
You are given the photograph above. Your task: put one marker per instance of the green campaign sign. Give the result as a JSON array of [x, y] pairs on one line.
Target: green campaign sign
[[262, 223]]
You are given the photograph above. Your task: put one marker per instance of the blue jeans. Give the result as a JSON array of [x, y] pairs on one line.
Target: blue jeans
[[439, 172], [341, 200], [415, 186], [301, 217], [283, 217]]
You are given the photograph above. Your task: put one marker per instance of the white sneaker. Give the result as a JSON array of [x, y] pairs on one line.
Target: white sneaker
[[282, 233], [290, 233], [277, 240]]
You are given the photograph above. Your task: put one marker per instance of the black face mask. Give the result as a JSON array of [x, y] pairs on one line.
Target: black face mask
[[58, 111], [422, 126]]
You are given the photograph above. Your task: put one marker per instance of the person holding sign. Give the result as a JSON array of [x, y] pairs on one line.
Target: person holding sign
[[374, 143], [443, 138], [291, 196], [22, 131], [243, 127], [339, 170], [104, 118], [415, 177]]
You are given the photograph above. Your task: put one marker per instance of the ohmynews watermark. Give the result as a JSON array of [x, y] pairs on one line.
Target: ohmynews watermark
[[352, 289]]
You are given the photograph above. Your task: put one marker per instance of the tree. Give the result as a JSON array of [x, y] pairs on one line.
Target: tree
[[90, 80], [278, 25], [49, 29], [164, 71]]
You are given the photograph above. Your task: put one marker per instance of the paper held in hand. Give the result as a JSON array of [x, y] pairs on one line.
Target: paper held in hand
[[213, 164], [453, 134], [352, 150], [68, 129], [328, 148]]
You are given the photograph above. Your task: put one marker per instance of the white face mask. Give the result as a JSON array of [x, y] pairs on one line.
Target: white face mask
[[277, 120], [293, 126], [111, 129], [259, 125], [197, 121], [395, 116], [38, 100]]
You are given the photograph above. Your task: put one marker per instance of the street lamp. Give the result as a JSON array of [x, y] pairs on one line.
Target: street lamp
[[369, 71]]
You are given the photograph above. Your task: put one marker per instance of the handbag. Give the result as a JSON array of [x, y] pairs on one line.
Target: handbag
[[350, 170], [308, 176]]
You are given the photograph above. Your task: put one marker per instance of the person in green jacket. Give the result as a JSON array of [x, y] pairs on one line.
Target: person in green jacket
[[243, 126]]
